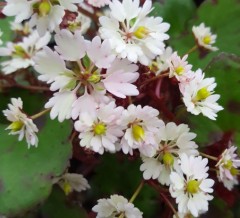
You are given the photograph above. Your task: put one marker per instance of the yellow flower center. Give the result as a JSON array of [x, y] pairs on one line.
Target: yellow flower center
[[168, 159], [141, 32], [179, 70], [138, 132], [99, 129], [193, 186], [67, 188], [44, 8], [207, 40], [202, 94], [16, 126]]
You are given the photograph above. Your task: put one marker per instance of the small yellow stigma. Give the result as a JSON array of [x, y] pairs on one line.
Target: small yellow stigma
[[67, 188], [20, 52], [179, 70], [72, 26], [153, 66], [99, 129], [234, 171], [207, 40], [228, 164], [202, 94], [168, 159], [16, 126], [95, 78], [193, 186], [44, 8], [141, 32], [138, 132]]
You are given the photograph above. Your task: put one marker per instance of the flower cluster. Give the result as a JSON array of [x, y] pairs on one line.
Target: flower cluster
[[99, 82]]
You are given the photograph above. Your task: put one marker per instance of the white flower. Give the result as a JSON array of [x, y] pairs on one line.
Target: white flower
[[22, 9], [98, 3], [141, 124], [115, 206], [161, 63], [21, 124], [132, 34], [228, 168], [45, 15], [204, 37], [173, 141], [190, 185], [73, 182], [199, 98], [100, 131], [179, 67], [22, 53], [61, 105]]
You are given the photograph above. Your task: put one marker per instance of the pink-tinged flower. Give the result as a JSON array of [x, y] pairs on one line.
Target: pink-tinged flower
[[100, 131], [228, 168], [114, 206], [21, 124], [190, 185], [205, 39], [179, 67], [141, 125], [93, 70]]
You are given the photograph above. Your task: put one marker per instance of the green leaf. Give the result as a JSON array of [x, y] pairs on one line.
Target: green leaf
[[175, 12], [223, 18], [5, 28], [26, 174]]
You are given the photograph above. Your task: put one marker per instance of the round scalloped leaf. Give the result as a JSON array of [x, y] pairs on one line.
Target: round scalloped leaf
[[223, 18], [26, 174]]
